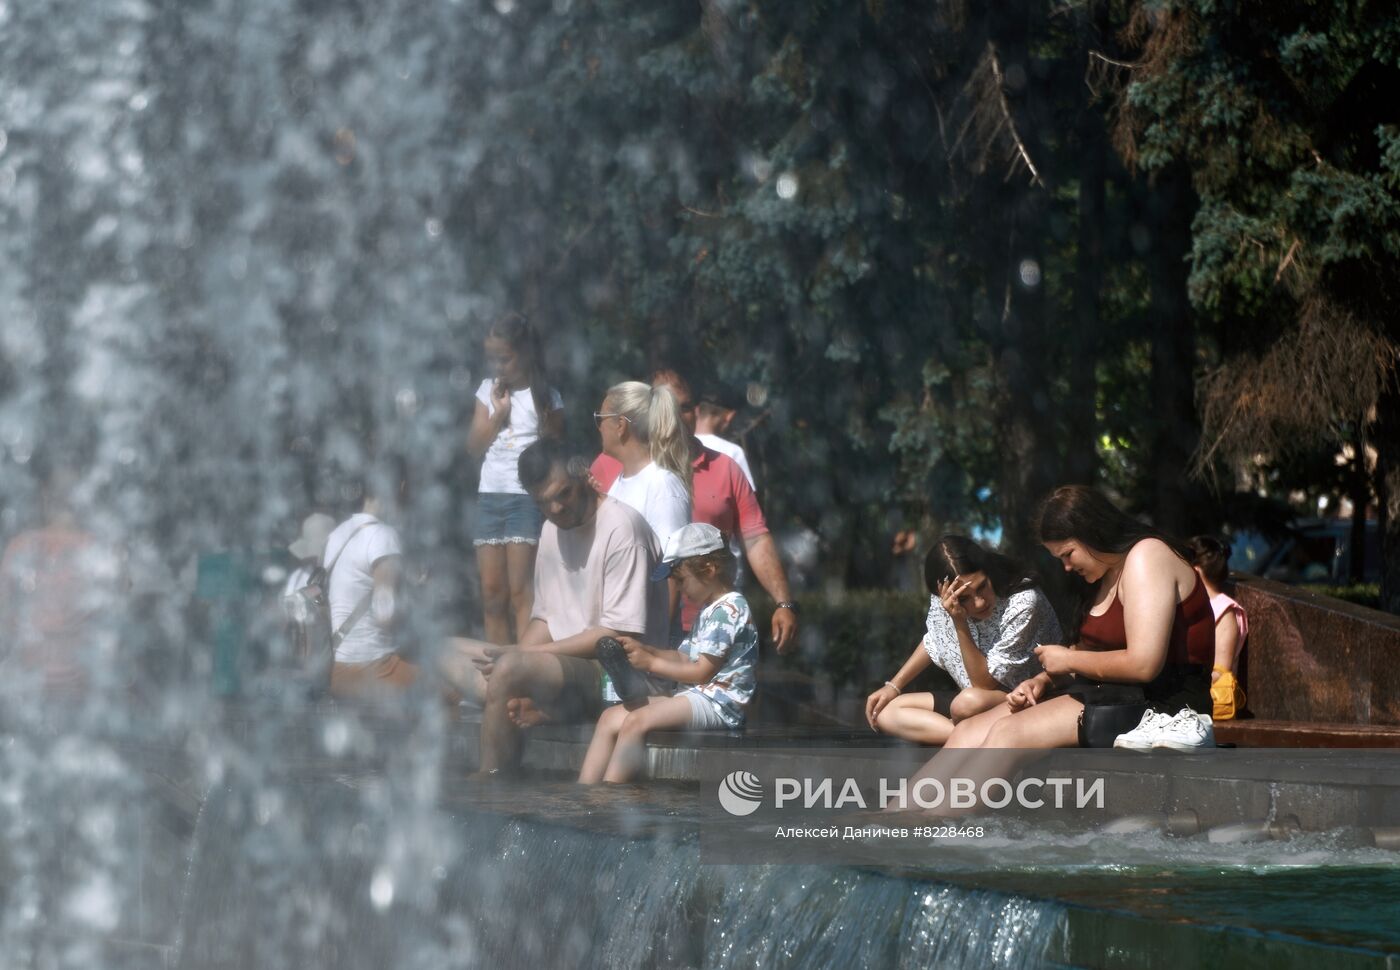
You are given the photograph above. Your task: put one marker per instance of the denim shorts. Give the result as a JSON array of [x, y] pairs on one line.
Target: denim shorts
[[503, 518]]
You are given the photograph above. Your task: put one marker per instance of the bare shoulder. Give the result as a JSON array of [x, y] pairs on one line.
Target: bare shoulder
[[1150, 562], [1150, 553]]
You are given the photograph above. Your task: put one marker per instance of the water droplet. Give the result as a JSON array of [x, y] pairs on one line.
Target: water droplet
[[269, 804], [756, 394], [1029, 272], [433, 228], [381, 889], [787, 185], [95, 903], [407, 402], [138, 102], [505, 7], [126, 455], [336, 737]]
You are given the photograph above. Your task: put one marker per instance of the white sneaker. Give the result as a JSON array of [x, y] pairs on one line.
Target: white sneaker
[[1188, 731], [1145, 735]]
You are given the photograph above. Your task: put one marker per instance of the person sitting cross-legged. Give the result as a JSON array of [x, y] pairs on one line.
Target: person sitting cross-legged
[[986, 617], [715, 662]]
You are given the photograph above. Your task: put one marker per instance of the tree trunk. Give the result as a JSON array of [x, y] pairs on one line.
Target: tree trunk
[[1030, 460], [1360, 501], [1386, 439], [1175, 429], [1081, 407]]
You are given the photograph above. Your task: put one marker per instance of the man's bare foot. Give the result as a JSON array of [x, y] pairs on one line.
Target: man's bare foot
[[524, 714]]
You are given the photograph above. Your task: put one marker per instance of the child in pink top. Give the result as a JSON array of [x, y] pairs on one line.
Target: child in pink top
[[1211, 559]]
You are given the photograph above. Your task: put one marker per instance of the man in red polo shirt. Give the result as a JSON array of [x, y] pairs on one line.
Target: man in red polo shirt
[[724, 499]]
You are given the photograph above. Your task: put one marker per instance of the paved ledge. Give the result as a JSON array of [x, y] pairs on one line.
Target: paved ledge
[[1258, 733]]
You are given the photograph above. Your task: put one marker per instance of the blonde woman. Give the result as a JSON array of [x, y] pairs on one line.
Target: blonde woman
[[640, 426]]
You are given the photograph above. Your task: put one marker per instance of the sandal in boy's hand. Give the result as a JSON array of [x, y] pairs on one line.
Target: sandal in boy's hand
[[630, 684]]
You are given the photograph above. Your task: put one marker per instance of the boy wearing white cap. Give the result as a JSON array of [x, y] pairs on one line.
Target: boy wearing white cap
[[714, 665]]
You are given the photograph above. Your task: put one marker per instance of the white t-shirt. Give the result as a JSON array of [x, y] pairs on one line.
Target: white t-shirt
[[659, 495], [499, 466], [353, 579], [736, 452]]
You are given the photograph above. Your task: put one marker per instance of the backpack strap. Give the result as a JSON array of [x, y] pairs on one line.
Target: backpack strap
[[362, 607], [357, 614], [346, 545]]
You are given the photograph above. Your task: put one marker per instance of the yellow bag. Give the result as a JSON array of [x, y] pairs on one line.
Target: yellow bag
[[1227, 695]]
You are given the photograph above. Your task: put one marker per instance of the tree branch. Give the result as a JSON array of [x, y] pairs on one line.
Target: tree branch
[[1006, 116]]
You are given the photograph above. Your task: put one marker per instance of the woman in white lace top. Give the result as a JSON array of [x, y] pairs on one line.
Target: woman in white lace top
[[986, 617]]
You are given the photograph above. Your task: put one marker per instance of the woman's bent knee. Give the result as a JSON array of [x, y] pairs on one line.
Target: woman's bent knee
[[971, 702]]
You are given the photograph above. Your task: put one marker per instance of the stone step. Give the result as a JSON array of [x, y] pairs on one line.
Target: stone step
[[1261, 733]]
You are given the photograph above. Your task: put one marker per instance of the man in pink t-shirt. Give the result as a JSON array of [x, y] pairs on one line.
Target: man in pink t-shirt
[[593, 579], [724, 499]]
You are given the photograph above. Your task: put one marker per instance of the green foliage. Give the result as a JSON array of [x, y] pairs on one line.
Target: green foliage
[[1362, 594], [858, 639]]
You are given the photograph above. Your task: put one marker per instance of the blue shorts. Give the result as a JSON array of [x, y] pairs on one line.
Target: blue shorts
[[503, 518]]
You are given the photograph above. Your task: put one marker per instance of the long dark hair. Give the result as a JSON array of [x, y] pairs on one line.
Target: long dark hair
[[958, 555], [1085, 515], [515, 329]]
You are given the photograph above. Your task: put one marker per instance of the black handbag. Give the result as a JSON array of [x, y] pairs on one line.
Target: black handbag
[[1109, 710]]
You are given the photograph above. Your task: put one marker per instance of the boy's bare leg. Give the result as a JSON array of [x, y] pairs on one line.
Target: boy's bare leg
[[600, 749], [912, 717], [629, 755]]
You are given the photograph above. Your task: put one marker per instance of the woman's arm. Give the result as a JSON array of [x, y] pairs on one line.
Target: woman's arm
[[916, 664], [1148, 591], [485, 427], [974, 661]]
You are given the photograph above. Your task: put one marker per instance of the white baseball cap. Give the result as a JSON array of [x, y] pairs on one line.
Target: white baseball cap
[[314, 532], [695, 539]]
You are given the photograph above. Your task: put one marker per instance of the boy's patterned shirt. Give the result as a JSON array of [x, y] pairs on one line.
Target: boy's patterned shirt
[[725, 629]]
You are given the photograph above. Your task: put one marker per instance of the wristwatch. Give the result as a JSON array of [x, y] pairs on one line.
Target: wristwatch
[[787, 605]]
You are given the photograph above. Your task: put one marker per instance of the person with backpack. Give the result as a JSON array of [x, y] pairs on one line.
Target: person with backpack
[[363, 565]]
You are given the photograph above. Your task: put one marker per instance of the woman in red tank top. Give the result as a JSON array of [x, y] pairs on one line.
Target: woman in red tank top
[[1144, 626]]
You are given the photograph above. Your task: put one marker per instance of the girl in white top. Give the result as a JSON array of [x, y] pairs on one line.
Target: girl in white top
[[641, 427], [985, 619], [513, 410]]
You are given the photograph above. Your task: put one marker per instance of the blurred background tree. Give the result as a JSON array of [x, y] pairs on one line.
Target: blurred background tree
[[950, 256]]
